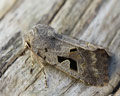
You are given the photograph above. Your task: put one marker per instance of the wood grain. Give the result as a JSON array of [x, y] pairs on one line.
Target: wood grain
[[95, 21]]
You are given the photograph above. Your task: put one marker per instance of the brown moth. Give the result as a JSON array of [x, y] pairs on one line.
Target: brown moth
[[80, 59]]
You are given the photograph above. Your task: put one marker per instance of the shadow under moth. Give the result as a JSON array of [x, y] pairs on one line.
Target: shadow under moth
[[80, 59]]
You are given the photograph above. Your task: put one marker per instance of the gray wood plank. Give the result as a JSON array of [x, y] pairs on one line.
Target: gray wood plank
[[6, 9], [96, 21]]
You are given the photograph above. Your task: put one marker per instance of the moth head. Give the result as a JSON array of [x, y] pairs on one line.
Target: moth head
[[40, 37], [43, 30]]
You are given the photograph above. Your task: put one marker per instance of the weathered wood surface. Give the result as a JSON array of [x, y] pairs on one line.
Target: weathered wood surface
[[117, 93], [96, 21]]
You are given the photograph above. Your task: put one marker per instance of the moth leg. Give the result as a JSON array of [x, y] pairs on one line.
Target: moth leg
[[39, 61], [32, 59], [27, 59], [43, 69], [31, 55], [45, 78], [33, 62]]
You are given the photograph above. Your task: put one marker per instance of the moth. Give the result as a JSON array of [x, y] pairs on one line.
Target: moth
[[80, 59]]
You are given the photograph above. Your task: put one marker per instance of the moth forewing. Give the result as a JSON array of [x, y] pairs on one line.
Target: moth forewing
[[78, 43], [79, 59]]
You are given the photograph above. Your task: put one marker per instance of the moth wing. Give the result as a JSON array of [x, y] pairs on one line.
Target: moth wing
[[80, 43]]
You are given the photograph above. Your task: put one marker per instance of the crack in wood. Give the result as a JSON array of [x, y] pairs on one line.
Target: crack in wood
[[113, 38], [48, 18], [117, 86], [70, 85], [12, 60], [36, 78], [80, 17], [57, 12]]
